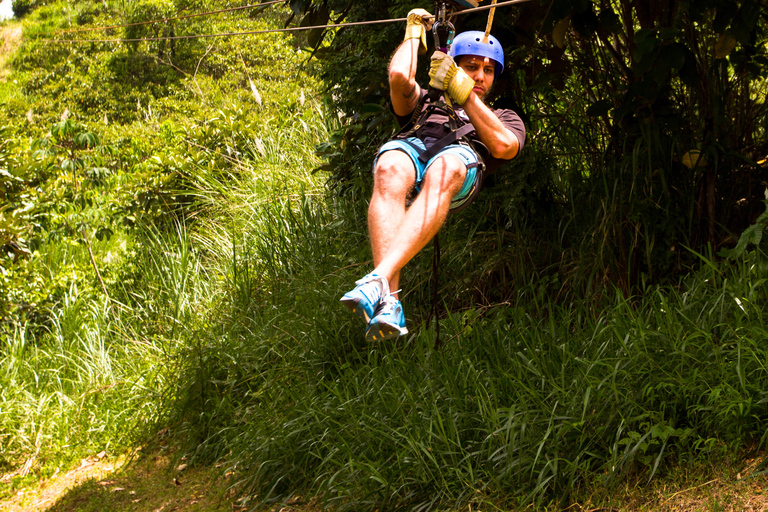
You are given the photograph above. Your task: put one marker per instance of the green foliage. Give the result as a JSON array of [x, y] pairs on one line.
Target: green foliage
[[616, 99], [752, 236], [22, 7], [185, 178], [75, 391], [149, 10], [95, 297], [527, 401]]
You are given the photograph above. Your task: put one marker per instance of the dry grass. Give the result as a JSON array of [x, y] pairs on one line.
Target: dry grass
[[147, 484], [10, 35], [738, 487], [49, 491], [156, 483]]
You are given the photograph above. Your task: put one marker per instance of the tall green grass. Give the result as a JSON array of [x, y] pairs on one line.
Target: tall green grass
[[528, 400], [80, 388], [225, 330], [80, 372], [521, 404]]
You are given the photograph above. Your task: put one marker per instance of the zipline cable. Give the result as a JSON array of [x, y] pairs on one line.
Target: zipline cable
[[165, 20], [289, 29]]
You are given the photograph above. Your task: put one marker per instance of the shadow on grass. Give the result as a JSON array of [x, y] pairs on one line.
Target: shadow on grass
[[150, 483]]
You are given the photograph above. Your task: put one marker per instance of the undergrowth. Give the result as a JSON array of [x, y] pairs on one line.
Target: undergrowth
[[223, 258], [529, 400]]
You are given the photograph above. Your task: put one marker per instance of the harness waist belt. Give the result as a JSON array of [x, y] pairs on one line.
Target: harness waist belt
[[445, 141]]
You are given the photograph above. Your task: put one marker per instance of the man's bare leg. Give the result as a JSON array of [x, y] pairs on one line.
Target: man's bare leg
[[394, 178], [393, 247]]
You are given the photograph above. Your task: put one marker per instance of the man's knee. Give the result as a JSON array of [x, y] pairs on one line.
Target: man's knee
[[394, 171], [447, 173]]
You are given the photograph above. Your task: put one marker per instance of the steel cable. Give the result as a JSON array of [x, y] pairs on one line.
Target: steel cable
[[165, 20], [267, 31]]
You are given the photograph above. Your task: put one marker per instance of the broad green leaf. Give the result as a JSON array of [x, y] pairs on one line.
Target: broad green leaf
[[558, 33], [724, 45]]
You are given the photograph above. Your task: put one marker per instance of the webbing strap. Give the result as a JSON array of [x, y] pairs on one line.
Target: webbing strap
[[435, 266], [452, 137]]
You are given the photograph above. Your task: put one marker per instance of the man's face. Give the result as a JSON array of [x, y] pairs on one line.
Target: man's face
[[480, 69]]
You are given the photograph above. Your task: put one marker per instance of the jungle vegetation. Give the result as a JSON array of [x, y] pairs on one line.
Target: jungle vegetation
[[180, 215]]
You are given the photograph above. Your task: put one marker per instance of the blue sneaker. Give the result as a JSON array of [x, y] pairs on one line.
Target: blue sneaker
[[366, 296], [388, 322]]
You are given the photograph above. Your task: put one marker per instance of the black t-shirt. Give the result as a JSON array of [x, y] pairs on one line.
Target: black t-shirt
[[437, 126]]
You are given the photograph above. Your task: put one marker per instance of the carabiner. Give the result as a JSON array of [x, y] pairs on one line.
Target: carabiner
[[442, 23]]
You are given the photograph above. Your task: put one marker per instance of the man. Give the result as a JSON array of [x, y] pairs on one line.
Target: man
[[447, 179]]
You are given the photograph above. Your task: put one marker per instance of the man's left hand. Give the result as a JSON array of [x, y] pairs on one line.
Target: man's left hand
[[446, 76]]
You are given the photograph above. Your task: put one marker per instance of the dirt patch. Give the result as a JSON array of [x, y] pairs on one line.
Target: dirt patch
[[10, 35], [151, 483], [48, 491], [738, 486], [155, 483]]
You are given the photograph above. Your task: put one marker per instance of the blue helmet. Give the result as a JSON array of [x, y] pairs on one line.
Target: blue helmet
[[471, 43]]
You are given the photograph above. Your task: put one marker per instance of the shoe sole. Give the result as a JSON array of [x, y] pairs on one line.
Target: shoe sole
[[356, 307], [385, 332]]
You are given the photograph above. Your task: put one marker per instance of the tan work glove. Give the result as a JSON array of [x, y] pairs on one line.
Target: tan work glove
[[419, 22], [446, 76]]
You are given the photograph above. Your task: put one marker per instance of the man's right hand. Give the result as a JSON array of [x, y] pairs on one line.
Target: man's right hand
[[419, 22]]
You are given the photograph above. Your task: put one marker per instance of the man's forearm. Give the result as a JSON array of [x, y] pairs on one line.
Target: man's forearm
[[403, 89], [500, 141]]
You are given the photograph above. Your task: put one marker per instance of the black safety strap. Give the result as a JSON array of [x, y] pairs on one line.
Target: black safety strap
[[433, 312], [445, 141]]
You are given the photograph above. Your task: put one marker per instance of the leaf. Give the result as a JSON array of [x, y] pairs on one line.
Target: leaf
[[371, 107], [726, 11], [724, 45], [645, 44], [610, 21], [298, 6], [316, 18], [585, 23], [752, 235], [671, 58], [558, 33], [315, 37], [86, 140], [750, 14], [669, 33]]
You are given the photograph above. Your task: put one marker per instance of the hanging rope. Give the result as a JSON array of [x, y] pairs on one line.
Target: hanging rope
[[433, 313], [490, 22]]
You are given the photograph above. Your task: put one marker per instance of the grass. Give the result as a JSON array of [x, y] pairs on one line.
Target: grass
[[157, 480], [528, 402], [224, 333], [80, 389]]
